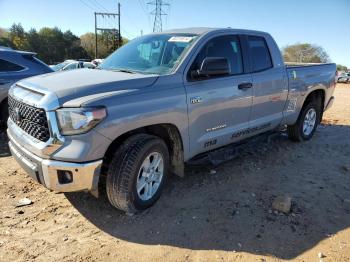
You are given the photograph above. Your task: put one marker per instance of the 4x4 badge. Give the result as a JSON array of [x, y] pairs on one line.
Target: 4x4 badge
[[196, 100]]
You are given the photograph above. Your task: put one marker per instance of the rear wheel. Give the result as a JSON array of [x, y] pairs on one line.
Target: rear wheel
[[137, 173], [306, 124]]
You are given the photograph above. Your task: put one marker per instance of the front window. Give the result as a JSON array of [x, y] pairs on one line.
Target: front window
[[153, 54], [227, 46]]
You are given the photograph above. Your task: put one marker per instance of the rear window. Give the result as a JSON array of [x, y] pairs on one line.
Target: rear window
[[261, 59], [6, 66]]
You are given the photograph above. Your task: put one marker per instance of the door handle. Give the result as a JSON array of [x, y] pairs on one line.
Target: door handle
[[244, 86]]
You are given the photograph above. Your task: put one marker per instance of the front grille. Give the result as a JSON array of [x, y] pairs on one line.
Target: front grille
[[30, 119]]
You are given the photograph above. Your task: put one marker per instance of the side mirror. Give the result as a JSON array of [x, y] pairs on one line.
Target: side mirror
[[213, 66]]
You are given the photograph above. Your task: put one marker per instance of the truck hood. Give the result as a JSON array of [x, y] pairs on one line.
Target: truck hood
[[76, 84]]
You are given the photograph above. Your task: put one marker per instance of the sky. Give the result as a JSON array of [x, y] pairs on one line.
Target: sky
[[322, 22]]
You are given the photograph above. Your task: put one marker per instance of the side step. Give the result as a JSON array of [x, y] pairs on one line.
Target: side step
[[223, 154]]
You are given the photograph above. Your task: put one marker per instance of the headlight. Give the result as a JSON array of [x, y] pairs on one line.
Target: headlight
[[73, 121]]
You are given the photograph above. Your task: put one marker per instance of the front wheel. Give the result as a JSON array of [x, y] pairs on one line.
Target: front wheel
[[137, 173], [306, 124]]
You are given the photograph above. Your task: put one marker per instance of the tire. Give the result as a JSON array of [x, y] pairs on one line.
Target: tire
[[128, 171], [297, 131]]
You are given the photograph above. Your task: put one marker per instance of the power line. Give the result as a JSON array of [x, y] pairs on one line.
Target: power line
[[169, 11], [88, 6], [145, 10], [142, 7], [99, 5], [158, 12]]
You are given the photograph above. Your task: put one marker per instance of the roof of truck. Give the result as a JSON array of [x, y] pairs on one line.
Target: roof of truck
[[204, 30]]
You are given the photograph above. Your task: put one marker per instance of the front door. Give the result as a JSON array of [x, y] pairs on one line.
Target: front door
[[218, 107]]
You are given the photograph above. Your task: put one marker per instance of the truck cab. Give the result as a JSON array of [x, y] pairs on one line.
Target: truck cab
[[156, 103]]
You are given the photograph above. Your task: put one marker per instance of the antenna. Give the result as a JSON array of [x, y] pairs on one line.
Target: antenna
[[158, 12]]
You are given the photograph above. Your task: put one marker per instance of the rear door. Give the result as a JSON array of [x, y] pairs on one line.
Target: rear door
[[270, 88], [218, 106]]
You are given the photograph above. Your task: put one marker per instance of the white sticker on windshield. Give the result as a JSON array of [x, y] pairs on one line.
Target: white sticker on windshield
[[182, 39]]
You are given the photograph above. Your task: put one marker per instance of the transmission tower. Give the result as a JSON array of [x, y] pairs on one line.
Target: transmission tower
[[158, 12], [114, 31]]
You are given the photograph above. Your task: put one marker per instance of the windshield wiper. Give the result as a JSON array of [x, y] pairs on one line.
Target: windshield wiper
[[124, 71]]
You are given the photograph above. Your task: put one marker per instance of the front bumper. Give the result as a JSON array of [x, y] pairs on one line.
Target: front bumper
[[47, 172]]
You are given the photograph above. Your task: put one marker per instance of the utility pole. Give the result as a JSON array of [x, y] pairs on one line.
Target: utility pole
[[95, 35], [158, 12], [114, 31], [119, 35]]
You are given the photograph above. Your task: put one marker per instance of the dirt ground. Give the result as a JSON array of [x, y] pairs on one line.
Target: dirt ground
[[224, 216]]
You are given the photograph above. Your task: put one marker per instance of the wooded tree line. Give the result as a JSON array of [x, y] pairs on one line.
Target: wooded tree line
[[53, 46], [307, 53]]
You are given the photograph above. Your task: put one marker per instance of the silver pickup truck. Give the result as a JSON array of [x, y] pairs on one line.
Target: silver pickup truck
[[156, 103]]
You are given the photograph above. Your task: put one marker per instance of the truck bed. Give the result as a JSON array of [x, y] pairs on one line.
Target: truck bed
[[305, 77], [311, 73]]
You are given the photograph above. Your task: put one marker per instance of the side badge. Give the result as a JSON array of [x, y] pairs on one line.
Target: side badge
[[196, 100], [292, 104]]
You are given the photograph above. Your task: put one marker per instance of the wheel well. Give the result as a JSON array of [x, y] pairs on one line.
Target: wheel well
[[317, 96], [168, 132], [3, 104]]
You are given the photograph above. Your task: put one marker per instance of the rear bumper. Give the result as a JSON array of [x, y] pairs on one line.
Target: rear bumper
[[330, 103], [49, 172]]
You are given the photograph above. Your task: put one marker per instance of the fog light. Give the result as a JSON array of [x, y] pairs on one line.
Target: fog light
[[65, 176]]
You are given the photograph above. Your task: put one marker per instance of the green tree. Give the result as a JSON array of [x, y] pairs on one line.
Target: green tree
[[34, 41], [4, 38], [6, 42], [341, 67], [17, 36], [4, 33], [74, 50], [88, 43], [106, 42], [305, 53], [53, 46]]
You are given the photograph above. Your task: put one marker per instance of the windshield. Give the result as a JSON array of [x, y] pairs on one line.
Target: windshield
[[59, 66], [152, 54]]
